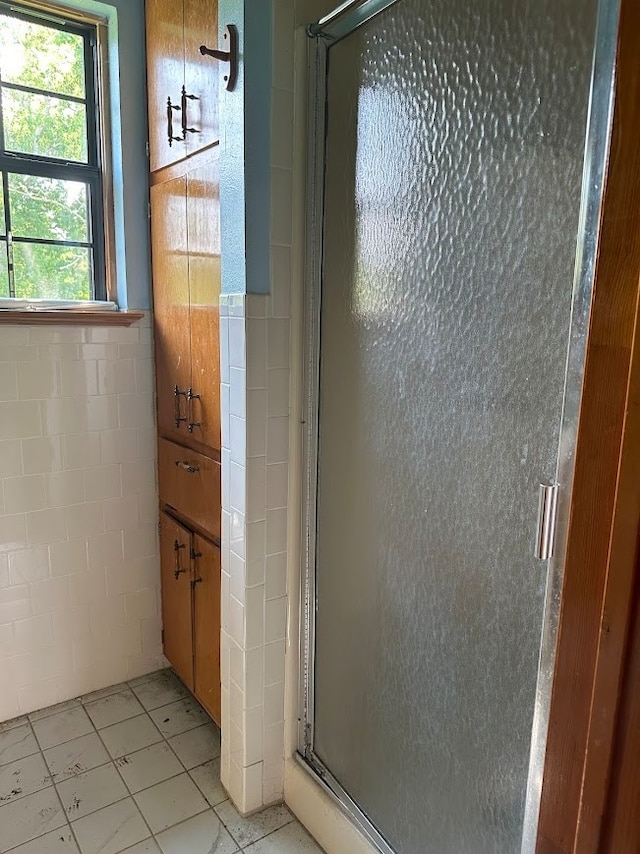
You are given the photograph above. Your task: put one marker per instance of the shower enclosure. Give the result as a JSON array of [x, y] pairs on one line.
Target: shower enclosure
[[457, 158]]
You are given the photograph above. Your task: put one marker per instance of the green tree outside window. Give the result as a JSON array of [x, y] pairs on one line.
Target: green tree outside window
[[51, 198]]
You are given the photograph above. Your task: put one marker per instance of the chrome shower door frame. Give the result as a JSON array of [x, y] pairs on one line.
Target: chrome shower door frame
[[346, 18]]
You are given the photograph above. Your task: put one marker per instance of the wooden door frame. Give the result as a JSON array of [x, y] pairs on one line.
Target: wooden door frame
[[601, 566]]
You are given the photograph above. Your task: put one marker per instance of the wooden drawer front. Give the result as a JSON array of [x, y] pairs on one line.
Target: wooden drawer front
[[190, 483]]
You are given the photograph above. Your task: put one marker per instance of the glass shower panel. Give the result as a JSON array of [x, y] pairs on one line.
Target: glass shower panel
[[454, 157]]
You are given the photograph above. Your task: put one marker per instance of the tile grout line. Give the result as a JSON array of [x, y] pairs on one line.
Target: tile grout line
[[146, 824], [53, 786], [164, 740]]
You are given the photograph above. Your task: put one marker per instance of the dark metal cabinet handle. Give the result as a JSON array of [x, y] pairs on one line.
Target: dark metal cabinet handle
[[188, 467], [230, 55], [179, 418], [176, 548], [194, 557], [170, 108], [190, 397], [185, 120]]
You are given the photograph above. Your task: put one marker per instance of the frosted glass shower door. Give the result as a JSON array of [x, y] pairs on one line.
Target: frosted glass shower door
[[450, 220]]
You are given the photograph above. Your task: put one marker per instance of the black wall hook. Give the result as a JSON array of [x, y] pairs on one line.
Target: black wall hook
[[231, 55]]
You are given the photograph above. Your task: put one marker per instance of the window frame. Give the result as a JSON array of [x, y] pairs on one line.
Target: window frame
[[95, 173]]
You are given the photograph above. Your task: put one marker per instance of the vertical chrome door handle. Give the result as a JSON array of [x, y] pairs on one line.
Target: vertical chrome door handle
[[547, 511]]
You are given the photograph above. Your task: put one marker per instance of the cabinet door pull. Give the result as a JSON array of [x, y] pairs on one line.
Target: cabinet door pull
[[170, 108], [194, 557], [230, 55], [192, 424], [188, 467], [185, 120], [176, 548], [179, 418]]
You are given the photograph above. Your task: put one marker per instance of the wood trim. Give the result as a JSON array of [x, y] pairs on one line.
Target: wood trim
[[616, 616], [186, 165], [621, 831], [605, 509], [68, 317]]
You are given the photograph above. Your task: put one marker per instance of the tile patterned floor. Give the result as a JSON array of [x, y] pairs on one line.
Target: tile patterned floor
[[133, 768]]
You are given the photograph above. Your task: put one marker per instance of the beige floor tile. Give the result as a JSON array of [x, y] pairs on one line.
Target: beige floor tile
[[29, 818], [23, 777], [57, 842], [91, 791], [170, 802], [129, 736], [147, 767], [111, 830], [254, 827], [113, 709], [202, 834], [197, 746], [147, 846], [13, 723], [207, 779], [76, 756], [16, 743], [104, 692], [161, 690], [61, 727], [53, 710], [146, 677], [179, 717], [292, 839]]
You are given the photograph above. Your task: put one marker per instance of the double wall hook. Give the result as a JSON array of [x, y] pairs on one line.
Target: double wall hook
[[231, 55]]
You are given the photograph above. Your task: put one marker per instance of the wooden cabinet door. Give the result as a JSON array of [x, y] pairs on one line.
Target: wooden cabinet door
[[175, 566], [171, 305], [165, 76], [203, 226], [201, 73], [206, 568]]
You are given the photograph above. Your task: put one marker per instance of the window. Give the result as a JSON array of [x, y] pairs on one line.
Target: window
[[52, 235]]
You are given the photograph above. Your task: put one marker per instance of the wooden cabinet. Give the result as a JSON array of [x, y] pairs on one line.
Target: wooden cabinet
[[189, 485], [191, 610], [206, 621], [175, 564], [185, 248], [185, 234], [177, 71]]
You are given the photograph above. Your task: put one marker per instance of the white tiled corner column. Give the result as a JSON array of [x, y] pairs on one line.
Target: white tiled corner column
[[255, 342], [255, 414]]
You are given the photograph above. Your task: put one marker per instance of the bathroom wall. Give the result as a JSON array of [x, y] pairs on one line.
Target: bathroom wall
[[79, 571], [79, 565]]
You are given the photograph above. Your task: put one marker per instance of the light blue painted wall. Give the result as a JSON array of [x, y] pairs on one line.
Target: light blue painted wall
[[127, 74], [245, 162]]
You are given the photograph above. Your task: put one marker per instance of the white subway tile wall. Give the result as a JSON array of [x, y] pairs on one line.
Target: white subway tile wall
[[79, 564], [255, 345]]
